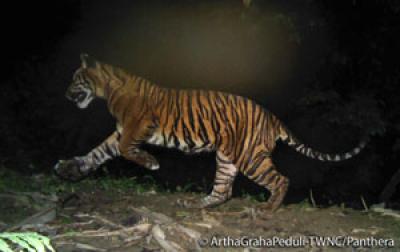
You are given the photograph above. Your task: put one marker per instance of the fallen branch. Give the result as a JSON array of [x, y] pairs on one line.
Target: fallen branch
[[122, 230], [161, 219], [199, 224], [137, 230], [379, 208], [81, 246], [160, 237], [157, 218], [189, 232]]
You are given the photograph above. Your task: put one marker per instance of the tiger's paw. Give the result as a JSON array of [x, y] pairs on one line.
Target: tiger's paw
[[70, 169], [151, 163], [152, 166], [208, 201]]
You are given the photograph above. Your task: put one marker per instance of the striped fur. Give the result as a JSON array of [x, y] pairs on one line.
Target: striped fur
[[241, 132], [287, 137]]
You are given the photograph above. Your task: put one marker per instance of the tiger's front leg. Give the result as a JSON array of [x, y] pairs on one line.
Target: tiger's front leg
[[78, 167], [142, 158], [129, 146]]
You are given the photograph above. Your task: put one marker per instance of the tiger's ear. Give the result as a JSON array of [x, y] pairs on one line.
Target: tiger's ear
[[87, 61]]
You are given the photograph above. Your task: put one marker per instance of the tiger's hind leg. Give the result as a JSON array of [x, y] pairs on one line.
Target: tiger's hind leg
[[222, 189], [266, 175]]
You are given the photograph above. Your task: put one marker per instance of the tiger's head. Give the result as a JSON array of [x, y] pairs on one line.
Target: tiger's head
[[82, 90]]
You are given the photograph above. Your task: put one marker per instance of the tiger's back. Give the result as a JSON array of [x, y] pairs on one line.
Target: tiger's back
[[198, 120]]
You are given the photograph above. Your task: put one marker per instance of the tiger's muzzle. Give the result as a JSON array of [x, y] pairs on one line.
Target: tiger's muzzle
[[80, 96]]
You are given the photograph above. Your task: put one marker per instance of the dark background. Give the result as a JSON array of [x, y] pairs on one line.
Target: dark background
[[329, 69]]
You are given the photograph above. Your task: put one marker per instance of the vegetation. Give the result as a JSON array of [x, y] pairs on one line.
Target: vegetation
[[50, 184], [31, 242]]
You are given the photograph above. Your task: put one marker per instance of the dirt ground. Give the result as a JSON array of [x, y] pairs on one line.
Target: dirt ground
[[107, 220]]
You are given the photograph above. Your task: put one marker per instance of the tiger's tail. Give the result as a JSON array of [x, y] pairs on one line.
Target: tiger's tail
[[287, 137]]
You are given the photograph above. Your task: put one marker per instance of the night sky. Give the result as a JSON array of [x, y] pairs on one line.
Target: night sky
[[328, 69]]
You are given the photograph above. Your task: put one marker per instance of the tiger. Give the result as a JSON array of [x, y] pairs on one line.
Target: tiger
[[242, 133]]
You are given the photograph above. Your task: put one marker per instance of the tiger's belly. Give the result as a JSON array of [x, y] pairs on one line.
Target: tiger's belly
[[188, 146]]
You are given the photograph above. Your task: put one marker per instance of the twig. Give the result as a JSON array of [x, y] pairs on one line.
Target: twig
[[364, 204], [159, 236], [199, 224], [312, 199], [193, 234], [72, 225], [78, 224], [162, 219], [122, 230], [140, 230], [158, 218], [80, 246], [108, 222]]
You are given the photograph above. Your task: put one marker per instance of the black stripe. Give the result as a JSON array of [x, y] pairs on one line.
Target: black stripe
[[223, 173], [164, 138], [176, 141], [270, 179], [257, 161], [240, 146], [223, 161], [187, 137], [202, 131], [261, 178], [178, 110], [190, 111], [108, 150]]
